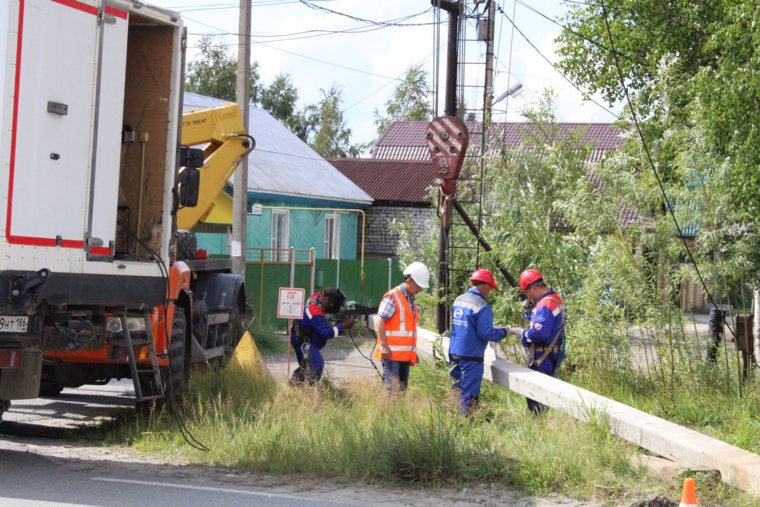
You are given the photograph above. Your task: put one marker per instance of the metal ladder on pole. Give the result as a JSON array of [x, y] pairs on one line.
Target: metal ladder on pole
[[464, 251], [152, 374]]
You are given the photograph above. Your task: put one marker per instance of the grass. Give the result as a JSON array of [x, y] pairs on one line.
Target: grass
[[356, 432]]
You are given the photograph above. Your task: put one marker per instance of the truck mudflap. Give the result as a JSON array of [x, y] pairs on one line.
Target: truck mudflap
[[218, 304], [20, 373]]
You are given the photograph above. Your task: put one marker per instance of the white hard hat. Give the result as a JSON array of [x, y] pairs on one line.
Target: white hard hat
[[419, 273]]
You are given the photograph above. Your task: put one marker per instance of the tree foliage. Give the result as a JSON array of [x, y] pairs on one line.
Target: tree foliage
[[280, 97], [322, 126], [214, 73], [410, 101], [693, 70]]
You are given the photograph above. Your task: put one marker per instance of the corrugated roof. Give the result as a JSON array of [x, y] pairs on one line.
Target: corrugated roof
[[405, 140], [392, 181], [284, 166]]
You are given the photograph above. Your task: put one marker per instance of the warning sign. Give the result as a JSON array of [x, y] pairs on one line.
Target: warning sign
[[290, 303]]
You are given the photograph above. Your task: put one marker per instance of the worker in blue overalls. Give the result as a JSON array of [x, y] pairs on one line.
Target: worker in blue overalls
[[545, 338], [471, 330], [310, 334]]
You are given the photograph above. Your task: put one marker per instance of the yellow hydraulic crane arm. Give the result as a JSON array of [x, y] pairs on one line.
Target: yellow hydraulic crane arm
[[222, 132]]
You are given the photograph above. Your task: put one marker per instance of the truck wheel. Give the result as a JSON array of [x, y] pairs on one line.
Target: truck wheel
[[235, 332], [187, 244], [4, 405], [174, 376]]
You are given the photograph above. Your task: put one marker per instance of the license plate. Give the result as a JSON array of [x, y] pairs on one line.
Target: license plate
[[14, 323]]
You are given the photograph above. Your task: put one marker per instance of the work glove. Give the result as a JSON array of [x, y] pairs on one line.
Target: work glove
[[513, 331], [348, 324], [527, 305]]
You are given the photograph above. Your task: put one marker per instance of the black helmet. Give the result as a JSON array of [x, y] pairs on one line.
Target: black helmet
[[335, 299]]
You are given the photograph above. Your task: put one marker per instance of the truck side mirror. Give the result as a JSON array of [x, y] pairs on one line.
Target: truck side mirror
[[191, 159]]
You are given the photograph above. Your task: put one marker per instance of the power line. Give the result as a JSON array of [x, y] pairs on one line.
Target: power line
[[654, 168], [549, 61], [295, 35], [364, 20], [326, 62], [567, 28]]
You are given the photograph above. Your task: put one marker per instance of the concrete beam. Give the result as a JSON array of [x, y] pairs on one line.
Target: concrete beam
[[737, 467]]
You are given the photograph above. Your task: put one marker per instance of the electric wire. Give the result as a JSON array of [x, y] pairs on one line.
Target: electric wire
[[358, 349], [568, 29], [364, 20], [572, 83], [187, 435], [509, 65], [660, 184]]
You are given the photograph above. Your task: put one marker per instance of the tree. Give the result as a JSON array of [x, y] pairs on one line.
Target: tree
[[410, 101], [214, 73], [321, 125], [692, 68], [279, 98]]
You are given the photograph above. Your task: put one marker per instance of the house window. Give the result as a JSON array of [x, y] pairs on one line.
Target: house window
[[332, 236], [280, 235]]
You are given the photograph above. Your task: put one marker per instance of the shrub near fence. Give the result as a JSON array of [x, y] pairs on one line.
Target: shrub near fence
[[263, 280]]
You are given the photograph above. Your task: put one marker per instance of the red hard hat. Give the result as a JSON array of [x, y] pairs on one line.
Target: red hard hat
[[528, 277], [485, 276]]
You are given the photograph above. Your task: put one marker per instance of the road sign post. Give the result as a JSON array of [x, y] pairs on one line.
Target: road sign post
[[290, 302]]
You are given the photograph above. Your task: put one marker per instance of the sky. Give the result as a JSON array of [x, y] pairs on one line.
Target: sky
[[366, 46]]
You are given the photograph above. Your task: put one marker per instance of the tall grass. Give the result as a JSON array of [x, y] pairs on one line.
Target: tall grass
[[357, 432]]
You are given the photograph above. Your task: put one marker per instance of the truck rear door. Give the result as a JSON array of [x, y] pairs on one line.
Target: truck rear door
[[68, 97]]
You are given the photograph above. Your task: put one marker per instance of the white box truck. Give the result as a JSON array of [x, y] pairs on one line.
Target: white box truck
[[90, 183]]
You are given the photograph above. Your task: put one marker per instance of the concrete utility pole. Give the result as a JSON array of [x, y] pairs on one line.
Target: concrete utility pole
[[450, 109], [243, 97], [488, 88]]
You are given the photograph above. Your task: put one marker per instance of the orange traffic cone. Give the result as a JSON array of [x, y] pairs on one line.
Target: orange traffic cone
[[689, 494]]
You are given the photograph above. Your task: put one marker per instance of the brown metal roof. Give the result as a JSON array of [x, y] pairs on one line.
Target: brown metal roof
[[405, 140], [389, 181]]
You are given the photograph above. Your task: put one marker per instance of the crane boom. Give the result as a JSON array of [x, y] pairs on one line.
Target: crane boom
[[226, 144]]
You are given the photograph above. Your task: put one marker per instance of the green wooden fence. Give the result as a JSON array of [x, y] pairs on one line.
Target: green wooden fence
[[263, 280]]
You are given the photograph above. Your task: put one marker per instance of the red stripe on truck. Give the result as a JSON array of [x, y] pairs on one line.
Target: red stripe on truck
[[10, 358]]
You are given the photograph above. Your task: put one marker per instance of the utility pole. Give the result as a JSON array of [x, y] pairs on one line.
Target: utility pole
[[454, 9], [243, 97], [488, 91]]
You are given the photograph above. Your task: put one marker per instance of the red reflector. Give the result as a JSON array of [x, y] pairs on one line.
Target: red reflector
[[10, 358], [201, 254]]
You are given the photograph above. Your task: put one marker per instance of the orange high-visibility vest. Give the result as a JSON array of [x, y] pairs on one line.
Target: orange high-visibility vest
[[400, 330]]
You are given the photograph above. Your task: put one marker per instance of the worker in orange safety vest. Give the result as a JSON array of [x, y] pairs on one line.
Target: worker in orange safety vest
[[396, 327]]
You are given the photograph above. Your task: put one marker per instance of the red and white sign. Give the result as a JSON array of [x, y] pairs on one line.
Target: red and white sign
[[290, 303]]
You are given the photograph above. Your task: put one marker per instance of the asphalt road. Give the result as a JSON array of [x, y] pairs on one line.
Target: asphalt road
[[41, 465], [33, 479]]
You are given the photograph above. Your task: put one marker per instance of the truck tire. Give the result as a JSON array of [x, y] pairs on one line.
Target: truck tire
[[173, 376], [234, 333], [187, 244]]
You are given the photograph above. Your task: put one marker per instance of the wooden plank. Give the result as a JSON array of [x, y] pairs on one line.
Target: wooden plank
[[737, 467]]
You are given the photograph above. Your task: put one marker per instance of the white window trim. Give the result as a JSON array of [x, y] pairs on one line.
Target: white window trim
[[332, 252], [280, 255]]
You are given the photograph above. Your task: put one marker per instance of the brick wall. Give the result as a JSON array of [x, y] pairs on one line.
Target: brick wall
[[380, 241]]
